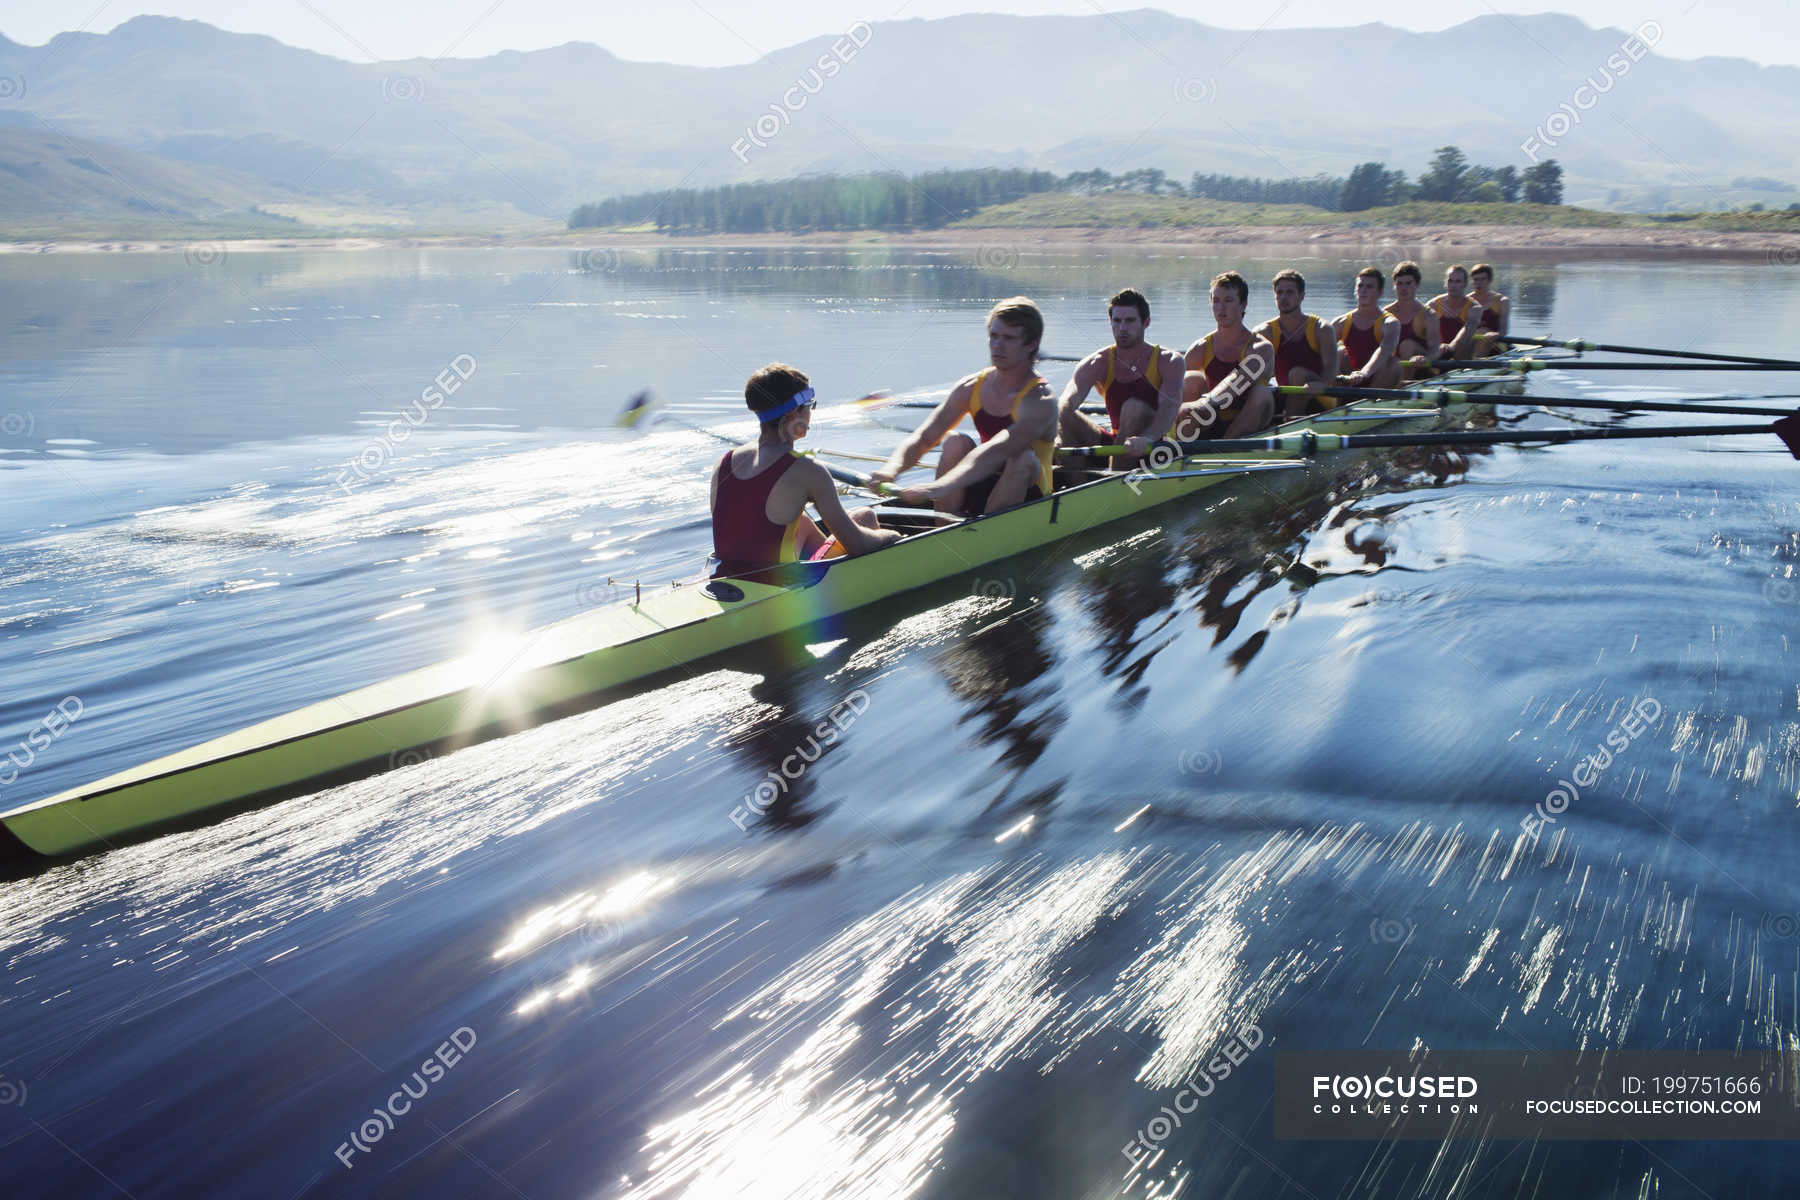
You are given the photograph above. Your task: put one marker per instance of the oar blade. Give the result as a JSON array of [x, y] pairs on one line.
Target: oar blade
[[639, 412], [1788, 430]]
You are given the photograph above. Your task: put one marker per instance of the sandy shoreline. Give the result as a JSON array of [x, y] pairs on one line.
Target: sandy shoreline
[[1510, 241]]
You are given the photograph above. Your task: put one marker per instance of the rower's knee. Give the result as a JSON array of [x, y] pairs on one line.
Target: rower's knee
[[1134, 418], [953, 450]]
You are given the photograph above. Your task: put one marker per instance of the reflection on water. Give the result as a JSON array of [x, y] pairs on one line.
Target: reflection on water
[[1075, 823]]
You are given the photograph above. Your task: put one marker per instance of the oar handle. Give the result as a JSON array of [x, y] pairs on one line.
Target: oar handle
[[858, 479]]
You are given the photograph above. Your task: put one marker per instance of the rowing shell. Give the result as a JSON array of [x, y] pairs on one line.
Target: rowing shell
[[574, 662]]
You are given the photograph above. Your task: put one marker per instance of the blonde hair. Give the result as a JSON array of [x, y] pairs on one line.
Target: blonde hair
[[1020, 311]]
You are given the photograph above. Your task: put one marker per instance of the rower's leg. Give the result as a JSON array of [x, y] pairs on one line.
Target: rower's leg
[[1388, 378], [1298, 406], [1016, 478], [1410, 348], [1078, 429], [1196, 421], [1134, 421], [810, 537], [951, 451], [1255, 414]]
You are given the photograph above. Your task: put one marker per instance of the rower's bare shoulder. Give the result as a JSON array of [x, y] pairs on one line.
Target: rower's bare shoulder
[[961, 390], [1090, 370], [812, 475]]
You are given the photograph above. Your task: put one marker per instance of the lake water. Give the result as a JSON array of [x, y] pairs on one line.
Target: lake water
[[1261, 764]]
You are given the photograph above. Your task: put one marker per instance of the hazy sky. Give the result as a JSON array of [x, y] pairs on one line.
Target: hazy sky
[[716, 32]]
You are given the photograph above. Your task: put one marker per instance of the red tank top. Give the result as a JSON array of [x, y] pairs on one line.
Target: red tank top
[[1414, 328], [1117, 391], [1451, 324], [1360, 344], [1299, 351], [745, 541], [1216, 369]]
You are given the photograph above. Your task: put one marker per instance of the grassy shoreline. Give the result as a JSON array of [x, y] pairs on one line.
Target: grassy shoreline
[[1058, 219]]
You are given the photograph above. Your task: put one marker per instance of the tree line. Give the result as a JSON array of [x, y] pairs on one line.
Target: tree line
[[885, 200], [1450, 179], [890, 200]]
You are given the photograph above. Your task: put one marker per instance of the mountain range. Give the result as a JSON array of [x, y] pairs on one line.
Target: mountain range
[[245, 125]]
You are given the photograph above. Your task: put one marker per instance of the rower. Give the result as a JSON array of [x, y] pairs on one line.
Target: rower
[[1140, 383], [1225, 392], [1496, 310], [1369, 337], [760, 491], [1418, 331], [1304, 354], [1459, 316], [1015, 414]]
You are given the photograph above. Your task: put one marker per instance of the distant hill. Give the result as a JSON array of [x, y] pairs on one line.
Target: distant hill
[[537, 133], [49, 179]]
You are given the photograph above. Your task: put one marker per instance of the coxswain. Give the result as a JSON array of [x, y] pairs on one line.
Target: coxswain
[[1225, 392], [1014, 412], [1139, 382], [1418, 329], [760, 491], [1458, 315], [1369, 336], [1496, 310], [1306, 351]]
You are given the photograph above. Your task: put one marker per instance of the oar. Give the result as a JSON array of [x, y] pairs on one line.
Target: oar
[[1086, 408], [1581, 344], [1454, 396], [1306, 442], [851, 454], [640, 404], [1580, 364]]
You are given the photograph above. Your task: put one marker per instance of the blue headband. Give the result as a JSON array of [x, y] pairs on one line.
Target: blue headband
[[800, 398]]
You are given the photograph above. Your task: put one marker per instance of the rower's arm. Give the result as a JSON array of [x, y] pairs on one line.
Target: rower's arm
[[1434, 342], [1329, 360], [1384, 353], [1193, 379], [1036, 421], [821, 491], [1085, 379], [1462, 345], [942, 420], [1503, 307], [1168, 396]]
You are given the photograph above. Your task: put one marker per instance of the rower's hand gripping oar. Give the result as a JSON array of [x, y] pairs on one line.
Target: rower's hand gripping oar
[[1581, 345], [641, 412]]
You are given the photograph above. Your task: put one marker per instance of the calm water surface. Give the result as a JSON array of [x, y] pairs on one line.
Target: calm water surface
[[1264, 763]]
